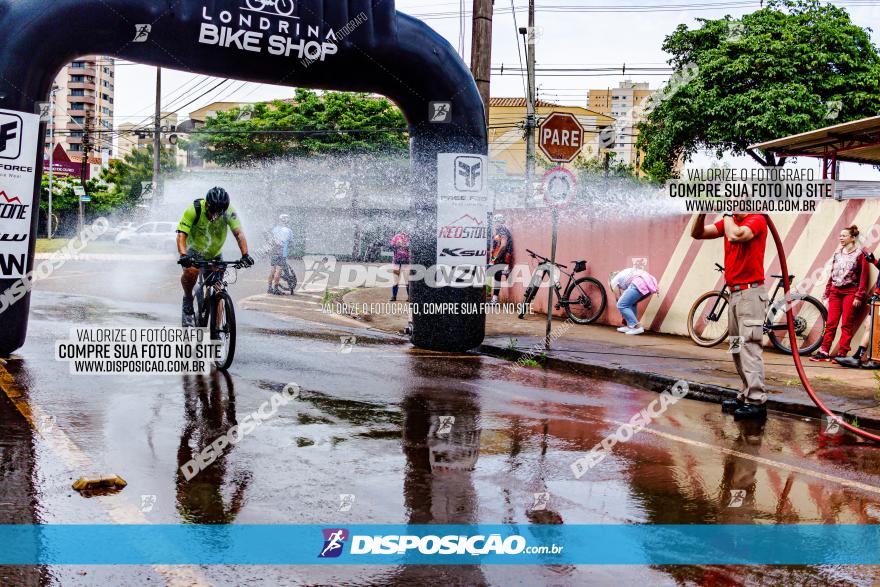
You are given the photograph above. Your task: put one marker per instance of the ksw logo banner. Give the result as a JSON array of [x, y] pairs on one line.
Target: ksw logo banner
[[19, 133], [463, 205]]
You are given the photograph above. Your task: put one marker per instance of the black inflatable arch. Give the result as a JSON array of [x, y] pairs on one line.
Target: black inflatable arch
[[375, 49]]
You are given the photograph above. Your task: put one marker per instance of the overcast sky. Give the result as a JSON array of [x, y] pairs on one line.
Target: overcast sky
[[572, 33]]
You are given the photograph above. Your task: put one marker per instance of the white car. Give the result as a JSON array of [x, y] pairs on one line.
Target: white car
[[157, 235]]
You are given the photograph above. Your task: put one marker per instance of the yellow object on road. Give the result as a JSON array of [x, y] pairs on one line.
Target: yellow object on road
[[84, 483]]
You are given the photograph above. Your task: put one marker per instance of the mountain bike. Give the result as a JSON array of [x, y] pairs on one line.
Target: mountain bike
[[707, 320], [282, 7], [214, 308], [584, 299]]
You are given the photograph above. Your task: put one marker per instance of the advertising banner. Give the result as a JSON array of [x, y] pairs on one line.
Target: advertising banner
[[19, 134]]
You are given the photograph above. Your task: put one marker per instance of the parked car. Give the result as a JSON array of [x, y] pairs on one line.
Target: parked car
[[157, 235], [114, 231]]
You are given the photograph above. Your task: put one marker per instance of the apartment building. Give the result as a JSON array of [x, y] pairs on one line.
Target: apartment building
[[84, 91], [619, 103]]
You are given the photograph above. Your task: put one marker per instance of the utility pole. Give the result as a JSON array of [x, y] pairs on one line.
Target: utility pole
[[157, 139], [87, 144], [51, 157], [531, 120], [481, 49]]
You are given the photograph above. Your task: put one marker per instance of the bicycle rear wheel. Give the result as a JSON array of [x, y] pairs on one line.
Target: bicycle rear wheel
[[810, 316], [222, 322], [289, 278], [707, 320], [585, 300]]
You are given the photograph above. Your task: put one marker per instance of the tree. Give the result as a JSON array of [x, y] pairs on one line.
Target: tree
[[126, 175], [311, 124], [791, 67]]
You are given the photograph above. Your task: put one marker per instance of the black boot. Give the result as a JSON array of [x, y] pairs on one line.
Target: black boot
[[751, 412]]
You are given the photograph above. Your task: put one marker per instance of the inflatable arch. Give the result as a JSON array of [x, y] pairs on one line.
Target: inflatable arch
[[350, 45]]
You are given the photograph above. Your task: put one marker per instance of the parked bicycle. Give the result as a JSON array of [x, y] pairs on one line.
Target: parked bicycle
[[584, 299], [707, 320], [214, 308], [288, 281]]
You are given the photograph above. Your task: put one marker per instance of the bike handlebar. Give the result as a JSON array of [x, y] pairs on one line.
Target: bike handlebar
[[535, 255], [719, 268], [217, 264]]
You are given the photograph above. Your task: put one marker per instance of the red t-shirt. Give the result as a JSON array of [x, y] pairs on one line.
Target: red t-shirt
[[744, 262]]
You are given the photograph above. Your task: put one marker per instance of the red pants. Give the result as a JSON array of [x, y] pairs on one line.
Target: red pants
[[840, 304]]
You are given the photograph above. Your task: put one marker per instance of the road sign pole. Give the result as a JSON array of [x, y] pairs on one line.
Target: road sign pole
[[552, 278]]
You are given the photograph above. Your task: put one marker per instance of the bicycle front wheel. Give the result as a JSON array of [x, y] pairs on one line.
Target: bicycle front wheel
[[223, 328], [707, 320], [810, 317], [585, 300]]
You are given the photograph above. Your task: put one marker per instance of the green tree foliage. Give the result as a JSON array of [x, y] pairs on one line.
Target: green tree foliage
[[126, 175], [778, 71], [308, 126]]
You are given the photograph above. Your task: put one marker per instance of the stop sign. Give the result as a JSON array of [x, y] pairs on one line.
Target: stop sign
[[561, 137]]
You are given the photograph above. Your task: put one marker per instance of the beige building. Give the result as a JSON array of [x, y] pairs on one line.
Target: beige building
[[140, 136], [507, 143], [84, 92], [619, 103]]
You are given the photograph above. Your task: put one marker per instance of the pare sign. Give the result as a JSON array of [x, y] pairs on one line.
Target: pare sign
[[275, 33]]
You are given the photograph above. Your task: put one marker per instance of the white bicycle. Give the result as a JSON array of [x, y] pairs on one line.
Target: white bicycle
[[282, 7]]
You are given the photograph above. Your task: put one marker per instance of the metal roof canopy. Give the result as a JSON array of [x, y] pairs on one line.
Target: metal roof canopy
[[856, 142]]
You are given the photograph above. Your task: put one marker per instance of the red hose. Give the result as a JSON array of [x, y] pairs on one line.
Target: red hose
[[794, 350]]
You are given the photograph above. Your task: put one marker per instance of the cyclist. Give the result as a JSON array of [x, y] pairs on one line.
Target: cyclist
[[200, 237], [282, 236]]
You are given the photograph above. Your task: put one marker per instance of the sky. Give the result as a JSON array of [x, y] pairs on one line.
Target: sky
[[580, 34]]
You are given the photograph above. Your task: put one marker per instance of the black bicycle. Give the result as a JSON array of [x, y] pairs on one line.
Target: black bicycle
[[584, 299], [214, 308], [707, 320]]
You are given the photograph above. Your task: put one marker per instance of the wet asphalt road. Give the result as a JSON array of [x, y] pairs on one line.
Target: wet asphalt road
[[365, 424]]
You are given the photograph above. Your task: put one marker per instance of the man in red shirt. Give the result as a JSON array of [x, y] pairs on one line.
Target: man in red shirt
[[745, 239]]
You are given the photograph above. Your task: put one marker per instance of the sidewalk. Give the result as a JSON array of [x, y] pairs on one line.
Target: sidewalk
[[652, 361]]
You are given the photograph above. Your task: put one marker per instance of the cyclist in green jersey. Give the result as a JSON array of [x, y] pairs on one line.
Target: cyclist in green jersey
[[200, 237]]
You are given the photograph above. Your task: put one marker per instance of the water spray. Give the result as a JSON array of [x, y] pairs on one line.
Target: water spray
[[786, 283]]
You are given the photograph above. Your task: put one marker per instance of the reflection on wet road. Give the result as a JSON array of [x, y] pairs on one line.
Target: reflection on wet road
[[387, 434]]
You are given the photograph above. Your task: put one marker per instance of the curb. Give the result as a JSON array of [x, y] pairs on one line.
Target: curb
[[658, 382]]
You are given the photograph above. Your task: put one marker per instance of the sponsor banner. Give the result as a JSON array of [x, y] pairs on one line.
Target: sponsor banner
[[463, 206], [19, 135], [599, 544]]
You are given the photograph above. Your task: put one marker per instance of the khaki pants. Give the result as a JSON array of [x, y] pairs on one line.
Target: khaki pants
[[748, 310]]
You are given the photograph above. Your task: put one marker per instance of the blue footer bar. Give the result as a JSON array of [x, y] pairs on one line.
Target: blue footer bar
[[439, 544]]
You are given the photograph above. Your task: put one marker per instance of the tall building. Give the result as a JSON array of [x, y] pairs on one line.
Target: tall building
[[84, 96], [619, 103]]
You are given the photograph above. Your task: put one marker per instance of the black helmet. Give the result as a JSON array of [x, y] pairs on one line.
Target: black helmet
[[217, 200]]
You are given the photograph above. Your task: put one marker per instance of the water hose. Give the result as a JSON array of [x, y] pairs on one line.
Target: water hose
[[792, 335]]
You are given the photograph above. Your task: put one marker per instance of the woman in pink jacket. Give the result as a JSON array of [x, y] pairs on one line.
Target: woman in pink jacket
[[630, 287]]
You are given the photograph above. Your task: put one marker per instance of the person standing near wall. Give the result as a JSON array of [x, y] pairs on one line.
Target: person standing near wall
[[745, 241], [861, 353], [400, 245], [502, 254], [845, 294], [630, 287]]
